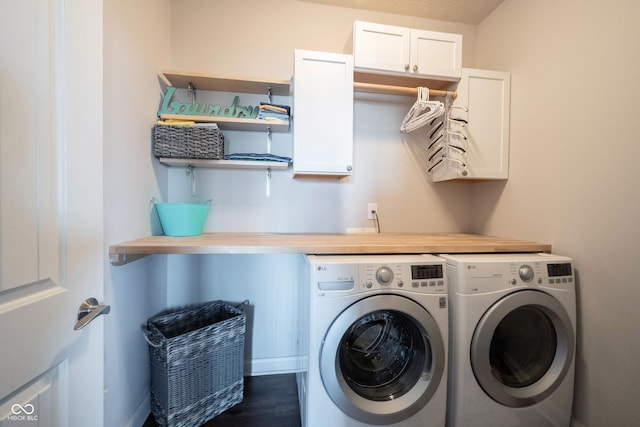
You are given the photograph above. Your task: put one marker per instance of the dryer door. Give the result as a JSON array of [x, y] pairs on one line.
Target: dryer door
[[382, 359], [522, 348]]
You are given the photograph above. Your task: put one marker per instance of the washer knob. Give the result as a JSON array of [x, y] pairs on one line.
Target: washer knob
[[384, 275], [526, 273]]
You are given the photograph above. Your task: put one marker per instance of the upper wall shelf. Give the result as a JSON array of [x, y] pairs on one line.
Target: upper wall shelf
[[230, 123], [214, 82]]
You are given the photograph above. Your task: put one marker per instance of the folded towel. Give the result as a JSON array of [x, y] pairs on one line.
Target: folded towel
[[265, 157]]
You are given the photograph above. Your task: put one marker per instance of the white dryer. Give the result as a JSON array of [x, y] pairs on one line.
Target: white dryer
[[377, 342], [512, 340]]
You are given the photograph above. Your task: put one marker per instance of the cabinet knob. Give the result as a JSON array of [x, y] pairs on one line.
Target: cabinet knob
[[415, 67], [349, 168], [406, 67]]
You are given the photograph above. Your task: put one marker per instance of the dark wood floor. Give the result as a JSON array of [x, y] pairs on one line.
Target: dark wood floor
[[269, 401]]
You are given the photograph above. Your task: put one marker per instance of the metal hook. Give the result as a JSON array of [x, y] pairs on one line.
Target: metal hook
[[436, 164], [461, 135], [453, 159], [434, 142], [462, 107], [434, 154]]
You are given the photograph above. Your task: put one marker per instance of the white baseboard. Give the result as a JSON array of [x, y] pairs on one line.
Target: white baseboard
[[274, 365], [141, 413], [575, 423]]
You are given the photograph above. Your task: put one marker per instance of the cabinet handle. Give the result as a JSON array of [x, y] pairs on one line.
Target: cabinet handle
[[406, 67], [415, 67], [349, 168]]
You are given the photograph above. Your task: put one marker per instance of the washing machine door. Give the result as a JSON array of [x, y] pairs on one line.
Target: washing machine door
[[382, 359], [522, 348]]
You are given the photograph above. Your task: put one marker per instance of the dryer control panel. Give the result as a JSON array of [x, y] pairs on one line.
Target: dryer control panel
[[488, 273]]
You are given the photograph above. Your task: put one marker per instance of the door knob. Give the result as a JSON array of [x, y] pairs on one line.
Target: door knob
[[89, 310]]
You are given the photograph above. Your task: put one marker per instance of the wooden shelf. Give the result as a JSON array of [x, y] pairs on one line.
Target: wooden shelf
[[265, 243], [228, 123], [214, 82], [225, 164]]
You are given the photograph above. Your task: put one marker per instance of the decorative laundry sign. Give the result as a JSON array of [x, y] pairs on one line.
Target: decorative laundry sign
[[175, 106]]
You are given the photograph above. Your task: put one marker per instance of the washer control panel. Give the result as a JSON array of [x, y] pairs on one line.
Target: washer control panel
[[336, 275], [418, 277]]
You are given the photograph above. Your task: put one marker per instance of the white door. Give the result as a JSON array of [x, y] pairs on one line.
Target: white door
[[51, 233]]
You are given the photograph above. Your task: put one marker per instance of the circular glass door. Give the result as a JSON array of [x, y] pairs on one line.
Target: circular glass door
[[382, 359], [522, 348]]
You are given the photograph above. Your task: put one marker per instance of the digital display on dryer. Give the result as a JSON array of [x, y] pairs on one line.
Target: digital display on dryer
[[420, 272], [563, 269]]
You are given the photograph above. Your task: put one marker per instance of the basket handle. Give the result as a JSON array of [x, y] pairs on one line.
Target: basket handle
[[242, 305], [145, 334]]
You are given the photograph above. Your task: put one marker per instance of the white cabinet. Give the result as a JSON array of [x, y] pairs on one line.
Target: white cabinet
[[323, 113], [404, 51], [484, 102]]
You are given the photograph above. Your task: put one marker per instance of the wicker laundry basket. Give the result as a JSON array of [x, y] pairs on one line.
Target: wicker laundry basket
[[188, 142], [196, 355]]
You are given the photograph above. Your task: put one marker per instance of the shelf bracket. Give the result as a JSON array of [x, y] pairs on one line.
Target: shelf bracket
[[191, 171], [269, 139], [268, 191], [118, 260], [192, 90]]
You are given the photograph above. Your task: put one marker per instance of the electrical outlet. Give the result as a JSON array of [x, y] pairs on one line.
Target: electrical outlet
[[371, 207]]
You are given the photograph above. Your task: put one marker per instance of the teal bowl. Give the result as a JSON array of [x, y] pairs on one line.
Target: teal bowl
[[182, 219]]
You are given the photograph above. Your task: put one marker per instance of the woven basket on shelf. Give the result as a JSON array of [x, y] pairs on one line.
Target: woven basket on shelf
[[188, 142], [196, 355]]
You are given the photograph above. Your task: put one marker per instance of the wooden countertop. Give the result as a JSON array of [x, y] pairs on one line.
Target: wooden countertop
[[269, 243]]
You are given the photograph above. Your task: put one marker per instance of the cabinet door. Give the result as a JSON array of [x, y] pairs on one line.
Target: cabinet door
[[381, 47], [323, 113], [486, 95], [436, 54]]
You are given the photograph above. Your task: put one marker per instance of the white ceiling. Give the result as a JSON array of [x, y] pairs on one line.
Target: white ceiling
[[463, 11]]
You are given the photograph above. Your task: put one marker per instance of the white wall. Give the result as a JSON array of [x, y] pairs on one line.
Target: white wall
[[256, 39], [136, 36], [574, 174]]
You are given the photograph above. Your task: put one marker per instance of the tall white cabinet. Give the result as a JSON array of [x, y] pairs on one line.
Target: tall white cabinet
[[322, 113]]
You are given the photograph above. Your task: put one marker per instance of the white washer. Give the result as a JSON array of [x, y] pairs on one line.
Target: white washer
[[512, 340], [377, 342]]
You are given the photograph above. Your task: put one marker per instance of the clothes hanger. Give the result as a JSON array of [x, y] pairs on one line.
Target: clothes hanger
[[422, 111]]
